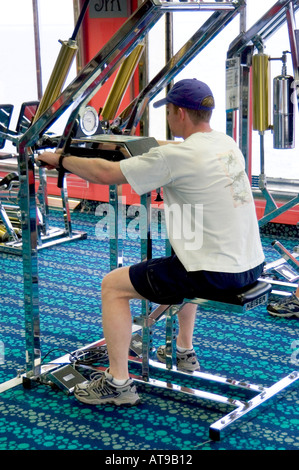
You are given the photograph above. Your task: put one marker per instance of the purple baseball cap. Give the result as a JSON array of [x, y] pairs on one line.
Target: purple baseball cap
[[188, 93]]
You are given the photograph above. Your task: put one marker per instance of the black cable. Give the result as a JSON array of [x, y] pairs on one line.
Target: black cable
[[94, 355], [55, 349]]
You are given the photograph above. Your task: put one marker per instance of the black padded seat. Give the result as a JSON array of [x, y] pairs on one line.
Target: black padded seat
[[247, 295]]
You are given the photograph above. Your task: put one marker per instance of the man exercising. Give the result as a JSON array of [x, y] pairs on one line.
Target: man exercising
[[204, 186]]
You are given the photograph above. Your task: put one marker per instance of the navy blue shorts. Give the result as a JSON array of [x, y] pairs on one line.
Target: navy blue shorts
[[166, 281]]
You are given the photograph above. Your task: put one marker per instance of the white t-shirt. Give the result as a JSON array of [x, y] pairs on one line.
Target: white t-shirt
[[209, 209]]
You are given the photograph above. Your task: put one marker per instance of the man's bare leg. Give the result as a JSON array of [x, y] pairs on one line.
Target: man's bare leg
[[186, 318], [117, 290]]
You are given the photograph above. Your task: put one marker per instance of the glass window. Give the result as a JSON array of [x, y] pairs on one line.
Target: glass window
[[18, 82]]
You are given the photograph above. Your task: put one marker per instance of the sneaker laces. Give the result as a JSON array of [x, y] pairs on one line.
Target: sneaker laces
[[96, 380]]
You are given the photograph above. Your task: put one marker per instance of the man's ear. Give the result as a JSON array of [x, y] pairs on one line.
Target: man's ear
[[182, 113]]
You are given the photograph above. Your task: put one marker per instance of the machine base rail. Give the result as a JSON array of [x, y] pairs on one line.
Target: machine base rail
[[56, 236], [240, 410], [245, 410], [228, 422]]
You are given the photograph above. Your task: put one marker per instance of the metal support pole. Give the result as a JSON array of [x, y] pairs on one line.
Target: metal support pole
[[113, 226], [66, 208], [244, 113], [30, 263]]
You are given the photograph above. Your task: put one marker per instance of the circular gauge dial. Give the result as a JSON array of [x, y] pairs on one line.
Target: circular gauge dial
[[89, 120]]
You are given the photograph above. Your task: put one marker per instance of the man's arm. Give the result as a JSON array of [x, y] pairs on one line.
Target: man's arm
[[95, 170]]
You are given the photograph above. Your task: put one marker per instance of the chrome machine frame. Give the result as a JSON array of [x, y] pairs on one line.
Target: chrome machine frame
[[77, 95]]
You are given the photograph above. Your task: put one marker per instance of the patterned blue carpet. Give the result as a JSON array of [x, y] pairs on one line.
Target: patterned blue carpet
[[253, 347]]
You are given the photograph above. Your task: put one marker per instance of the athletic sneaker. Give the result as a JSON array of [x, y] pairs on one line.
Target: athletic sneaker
[[286, 307], [101, 390], [186, 361]]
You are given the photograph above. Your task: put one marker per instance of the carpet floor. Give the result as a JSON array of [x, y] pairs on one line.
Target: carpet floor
[[252, 347]]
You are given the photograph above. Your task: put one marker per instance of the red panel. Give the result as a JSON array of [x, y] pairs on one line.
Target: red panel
[[81, 189], [291, 217]]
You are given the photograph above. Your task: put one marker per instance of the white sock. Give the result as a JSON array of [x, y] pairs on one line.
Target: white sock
[[118, 381], [114, 380], [181, 350]]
